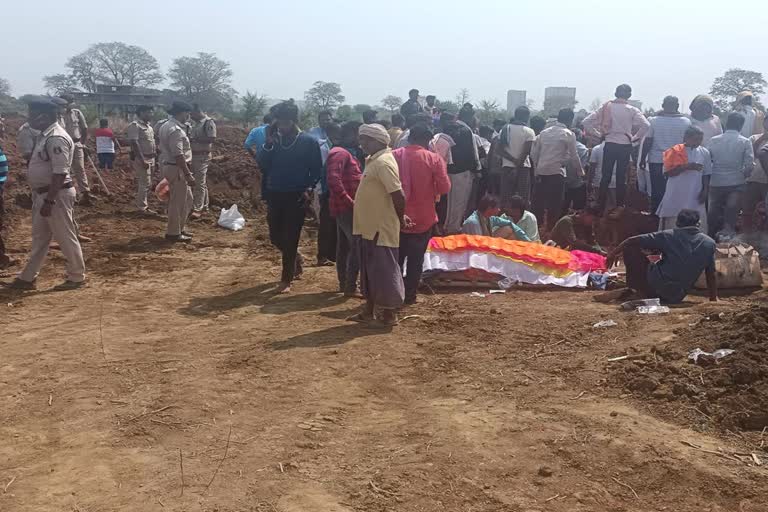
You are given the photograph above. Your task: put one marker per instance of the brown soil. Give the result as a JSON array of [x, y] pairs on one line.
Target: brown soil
[[183, 356], [731, 394]]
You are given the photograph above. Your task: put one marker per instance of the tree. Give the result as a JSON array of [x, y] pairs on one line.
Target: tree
[[253, 107], [204, 79], [462, 97], [324, 96], [112, 63], [392, 103], [346, 113], [447, 106], [726, 88], [596, 104], [488, 111], [5, 87], [362, 108], [60, 83]]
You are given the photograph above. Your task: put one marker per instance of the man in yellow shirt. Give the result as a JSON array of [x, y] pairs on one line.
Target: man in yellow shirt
[[378, 216]]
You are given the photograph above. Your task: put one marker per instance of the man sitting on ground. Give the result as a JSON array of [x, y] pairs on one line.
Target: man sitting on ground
[[686, 252], [485, 221], [565, 236]]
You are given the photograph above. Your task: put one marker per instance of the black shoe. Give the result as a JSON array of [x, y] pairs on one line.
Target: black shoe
[[178, 238], [20, 284], [68, 285]]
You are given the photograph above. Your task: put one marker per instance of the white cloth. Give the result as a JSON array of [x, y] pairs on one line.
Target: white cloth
[[449, 261], [458, 199], [627, 123], [105, 145], [442, 144]]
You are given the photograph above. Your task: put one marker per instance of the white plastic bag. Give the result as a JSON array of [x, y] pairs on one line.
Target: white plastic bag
[[231, 219]]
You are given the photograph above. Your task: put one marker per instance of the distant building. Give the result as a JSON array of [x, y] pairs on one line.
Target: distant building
[[560, 92], [515, 99], [636, 103], [120, 98]]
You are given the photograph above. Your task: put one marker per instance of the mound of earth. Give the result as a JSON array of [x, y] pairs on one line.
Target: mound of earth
[[731, 393]]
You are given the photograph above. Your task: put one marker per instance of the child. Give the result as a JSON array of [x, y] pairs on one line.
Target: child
[[688, 184], [485, 221], [106, 142]]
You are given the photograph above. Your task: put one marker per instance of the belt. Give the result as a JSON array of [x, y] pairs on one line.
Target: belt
[[45, 189]]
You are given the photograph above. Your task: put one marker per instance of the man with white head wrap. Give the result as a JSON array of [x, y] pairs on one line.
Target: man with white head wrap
[[378, 216]]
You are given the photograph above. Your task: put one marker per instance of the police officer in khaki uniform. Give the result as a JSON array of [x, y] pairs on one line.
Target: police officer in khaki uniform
[[203, 136], [53, 197], [141, 136], [77, 128], [175, 159]]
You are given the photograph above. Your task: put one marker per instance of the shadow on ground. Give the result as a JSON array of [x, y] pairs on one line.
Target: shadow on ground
[[264, 295], [332, 336]]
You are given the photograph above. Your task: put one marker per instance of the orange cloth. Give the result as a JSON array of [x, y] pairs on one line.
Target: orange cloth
[[520, 251], [676, 156]]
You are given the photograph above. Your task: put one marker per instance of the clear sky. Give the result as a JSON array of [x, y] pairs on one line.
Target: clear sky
[[377, 48]]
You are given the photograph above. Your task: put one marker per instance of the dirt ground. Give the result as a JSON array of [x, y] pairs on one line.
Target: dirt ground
[[178, 381]]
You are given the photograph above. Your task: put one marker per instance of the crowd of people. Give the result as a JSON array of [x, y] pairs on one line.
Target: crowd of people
[[384, 187]]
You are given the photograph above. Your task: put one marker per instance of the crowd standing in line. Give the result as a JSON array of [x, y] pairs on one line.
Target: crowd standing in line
[[378, 207]]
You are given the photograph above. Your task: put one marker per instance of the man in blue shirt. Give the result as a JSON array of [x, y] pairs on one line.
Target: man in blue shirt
[[291, 167], [686, 252], [254, 143], [733, 159]]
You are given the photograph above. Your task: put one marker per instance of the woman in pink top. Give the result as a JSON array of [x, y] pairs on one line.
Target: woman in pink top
[[424, 176]]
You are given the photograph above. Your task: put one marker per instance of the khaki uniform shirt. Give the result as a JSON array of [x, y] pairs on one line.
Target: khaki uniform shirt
[[142, 132], [51, 155], [380, 179], [174, 142], [25, 139], [74, 122], [206, 127]]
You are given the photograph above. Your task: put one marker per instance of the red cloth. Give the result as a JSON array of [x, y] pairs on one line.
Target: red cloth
[[424, 176], [343, 174], [104, 132]]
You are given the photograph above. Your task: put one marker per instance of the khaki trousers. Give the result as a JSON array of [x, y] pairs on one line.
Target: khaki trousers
[[180, 201], [143, 172], [78, 169], [200, 163], [61, 227]]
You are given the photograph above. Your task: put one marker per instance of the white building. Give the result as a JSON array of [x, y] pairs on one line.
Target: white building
[[560, 92], [515, 99]]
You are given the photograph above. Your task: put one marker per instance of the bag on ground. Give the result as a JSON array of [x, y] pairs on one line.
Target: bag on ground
[[737, 266], [231, 219]]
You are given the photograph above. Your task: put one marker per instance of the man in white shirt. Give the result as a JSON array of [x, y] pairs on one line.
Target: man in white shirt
[[554, 150], [620, 124], [753, 118], [515, 143]]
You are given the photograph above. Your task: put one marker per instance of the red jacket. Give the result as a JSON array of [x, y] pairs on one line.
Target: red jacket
[[424, 177], [343, 174]]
